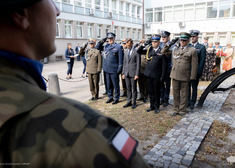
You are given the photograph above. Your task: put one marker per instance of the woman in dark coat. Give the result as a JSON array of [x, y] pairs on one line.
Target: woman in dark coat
[[210, 62], [69, 54]]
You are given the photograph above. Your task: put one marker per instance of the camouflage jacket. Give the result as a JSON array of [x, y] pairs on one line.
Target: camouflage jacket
[[38, 129]]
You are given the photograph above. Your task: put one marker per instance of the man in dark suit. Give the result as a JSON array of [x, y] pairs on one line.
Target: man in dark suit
[[131, 69], [166, 84], [201, 53], [154, 70], [112, 65]]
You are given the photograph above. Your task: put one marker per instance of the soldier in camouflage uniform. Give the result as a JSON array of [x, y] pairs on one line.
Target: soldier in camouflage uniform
[[38, 129]]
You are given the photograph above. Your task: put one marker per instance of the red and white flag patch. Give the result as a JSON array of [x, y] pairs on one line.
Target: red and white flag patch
[[125, 144]]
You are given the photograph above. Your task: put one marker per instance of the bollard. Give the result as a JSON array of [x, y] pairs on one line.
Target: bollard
[[53, 84]]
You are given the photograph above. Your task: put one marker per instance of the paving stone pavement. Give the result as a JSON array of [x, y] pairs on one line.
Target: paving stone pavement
[[177, 149]]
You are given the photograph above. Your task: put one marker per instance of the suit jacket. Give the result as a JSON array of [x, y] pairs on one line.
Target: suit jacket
[[131, 65], [156, 67], [185, 64], [94, 61], [201, 53]]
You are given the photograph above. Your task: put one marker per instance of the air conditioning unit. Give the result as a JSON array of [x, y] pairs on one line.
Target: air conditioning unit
[[91, 12], [147, 25], [181, 24], [110, 15]]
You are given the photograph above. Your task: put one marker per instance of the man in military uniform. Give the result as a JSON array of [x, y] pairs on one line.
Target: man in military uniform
[[112, 66], [142, 81], [206, 42], [93, 68], [201, 53], [166, 84], [131, 69], [38, 129], [184, 69], [154, 70]]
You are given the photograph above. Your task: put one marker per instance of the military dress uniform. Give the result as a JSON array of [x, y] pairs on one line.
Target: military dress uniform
[[185, 64], [155, 73], [45, 130], [201, 54], [166, 84], [93, 69], [113, 67]]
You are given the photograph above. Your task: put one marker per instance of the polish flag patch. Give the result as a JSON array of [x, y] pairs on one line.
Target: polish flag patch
[[124, 144]]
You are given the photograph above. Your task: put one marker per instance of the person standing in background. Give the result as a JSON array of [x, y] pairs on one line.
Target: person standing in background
[[124, 88], [82, 54], [227, 64], [69, 54], [206, 42], [77, 48], [201, 54]]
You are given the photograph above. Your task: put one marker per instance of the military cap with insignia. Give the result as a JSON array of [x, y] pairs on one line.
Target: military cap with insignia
[[184, 36], [206, 38], [91, 41], [110, 35], [156, 37], [11, 5], [124, 41], [194, 33], [165, 33], [217, 43]]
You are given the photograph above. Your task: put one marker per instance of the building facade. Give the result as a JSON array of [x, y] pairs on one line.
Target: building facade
[[83, 19], [213, 18]]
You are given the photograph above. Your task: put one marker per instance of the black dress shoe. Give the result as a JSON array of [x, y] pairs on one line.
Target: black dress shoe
[[157, 111], [150, 109], [174, 114], [127, 104], [92, 98], [115, 101], [166, 103], [109, 100], [191, 107], [133, 106], [145, 100], [95, 98]]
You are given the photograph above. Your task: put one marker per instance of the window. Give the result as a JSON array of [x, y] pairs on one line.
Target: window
[[68, 29], [127, 9], [224, 8], [133, 34], [189, 12], [89, 30], [78, 2], [79, 29], [233, 8], [212, 8], [99, 35], [133, 11], [114, 6], [149, 15], [222, 39], [107, 30], [138, 35], [57, 29], [128, 34], [138, 12], [168, 14], [121, 6], [121, 34], [88, 3], [233, 39], [200, 11], [106, 5], [158, 15], [178, 13], [66, 1], [97, 4]]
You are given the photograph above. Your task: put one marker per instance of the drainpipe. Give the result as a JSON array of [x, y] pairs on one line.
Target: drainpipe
[[143, 27]]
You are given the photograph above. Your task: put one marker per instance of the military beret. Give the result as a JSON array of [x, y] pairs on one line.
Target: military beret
[[194, 33], [206, 38], [156, 37], [184, 36], [12, 5], [165, 33], [91, 41], [110, 35]]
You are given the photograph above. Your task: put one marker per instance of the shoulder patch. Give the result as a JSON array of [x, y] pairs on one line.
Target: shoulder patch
[[124, 144]]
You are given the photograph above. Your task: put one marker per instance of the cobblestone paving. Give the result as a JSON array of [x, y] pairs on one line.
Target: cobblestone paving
[[177, 149]]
